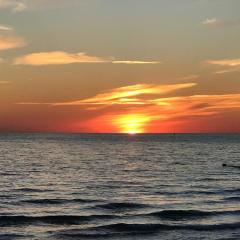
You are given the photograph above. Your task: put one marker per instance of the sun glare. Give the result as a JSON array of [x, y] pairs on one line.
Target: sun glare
[[132, 123]]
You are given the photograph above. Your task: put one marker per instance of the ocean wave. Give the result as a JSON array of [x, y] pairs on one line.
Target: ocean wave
[[124, 227], [120, 206], [58, 201], [189, 214], [170, 215], [200, 192], [180, 214], [237, 190], [12, 236], [188, 192], [14, 220], [33, 190], [140, 229], [235, 198], [10, 174]]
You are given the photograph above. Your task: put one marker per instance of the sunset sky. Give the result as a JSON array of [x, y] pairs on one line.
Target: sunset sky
[[125, 66]]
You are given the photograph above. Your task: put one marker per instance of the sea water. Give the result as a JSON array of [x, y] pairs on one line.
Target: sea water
[[116, 186]]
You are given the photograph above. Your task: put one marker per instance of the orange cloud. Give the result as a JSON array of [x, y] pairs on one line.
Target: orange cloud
[[135, 62], [127, 95], [144, 98], [56, 58], [133, 109], [163, 113], [227, 71], [225, 62], [10, 42], [198, 104], [174, 110], [60, 57]]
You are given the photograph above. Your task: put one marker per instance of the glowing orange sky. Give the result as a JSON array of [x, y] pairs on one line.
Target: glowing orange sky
[[158, 66]]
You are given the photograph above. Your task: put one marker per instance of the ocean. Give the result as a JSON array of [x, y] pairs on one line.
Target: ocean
[[116, 186]]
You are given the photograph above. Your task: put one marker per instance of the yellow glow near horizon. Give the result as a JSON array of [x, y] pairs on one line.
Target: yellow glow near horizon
[[132, 123]]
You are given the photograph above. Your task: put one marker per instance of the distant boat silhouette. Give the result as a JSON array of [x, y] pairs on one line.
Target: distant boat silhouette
[[233, 166]]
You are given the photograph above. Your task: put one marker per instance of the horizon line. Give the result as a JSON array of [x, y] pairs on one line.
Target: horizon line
[[116, 133]]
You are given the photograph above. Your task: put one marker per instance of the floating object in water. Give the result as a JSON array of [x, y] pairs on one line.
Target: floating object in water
[[225, 165]]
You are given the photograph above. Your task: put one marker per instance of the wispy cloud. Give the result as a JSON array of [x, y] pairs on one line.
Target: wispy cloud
[[190, 77], [5, 28], [225, 62], [227, 71], [14, 5], [211, 22], [206, 102], [230, 65], [56, 58], [8, 39], [135, 62], [60, 58], [129, 95], [10, 42], [216, 22]]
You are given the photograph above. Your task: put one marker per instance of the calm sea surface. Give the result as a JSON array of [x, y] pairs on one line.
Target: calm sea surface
[[88, 186]]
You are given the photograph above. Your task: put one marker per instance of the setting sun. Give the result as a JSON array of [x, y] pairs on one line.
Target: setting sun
[[132, 123]]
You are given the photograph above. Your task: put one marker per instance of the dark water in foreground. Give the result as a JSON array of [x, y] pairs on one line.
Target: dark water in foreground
[[119, 187]]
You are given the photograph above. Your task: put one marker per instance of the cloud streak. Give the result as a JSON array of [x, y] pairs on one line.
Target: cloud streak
[[225, 62], [216, 22], [129, 95], [56, 58], [5, 28], [135, 62], [10, 42], [61, 58], [227, 71], [212, 22], [14, 5]]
